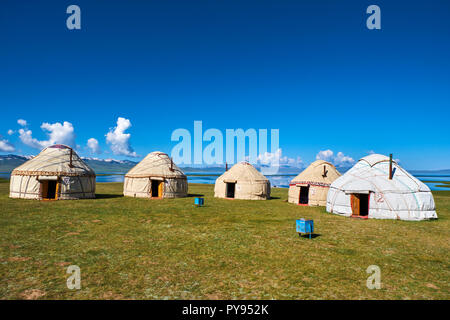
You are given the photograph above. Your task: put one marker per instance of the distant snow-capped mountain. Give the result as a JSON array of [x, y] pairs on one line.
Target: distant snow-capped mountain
[[11, 161], [15, 157]]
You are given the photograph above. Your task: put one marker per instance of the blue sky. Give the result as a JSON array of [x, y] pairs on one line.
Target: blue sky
[[308, 68]]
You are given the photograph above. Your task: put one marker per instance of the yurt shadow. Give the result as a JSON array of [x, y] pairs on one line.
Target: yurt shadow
[[312, 236], [194, 195], [108, 196]]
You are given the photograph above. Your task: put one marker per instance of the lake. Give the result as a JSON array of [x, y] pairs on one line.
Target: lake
[[279, 181]]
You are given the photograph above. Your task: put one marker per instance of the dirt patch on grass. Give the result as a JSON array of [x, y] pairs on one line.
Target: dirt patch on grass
[[62, 264], [432, 286], [109, 295], [32, 294], [18, 259], [72, 233]]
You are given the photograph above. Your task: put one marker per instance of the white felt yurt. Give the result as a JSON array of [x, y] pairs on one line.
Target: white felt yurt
[[311, 186], [57, 173], [242, 181], [156, 176], [366, 190]]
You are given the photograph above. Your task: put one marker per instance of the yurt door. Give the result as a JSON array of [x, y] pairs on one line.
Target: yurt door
[[304, 195], [160, 189], [49, 189], [360, 204], [354, 199], [230, 189], [156, 188]]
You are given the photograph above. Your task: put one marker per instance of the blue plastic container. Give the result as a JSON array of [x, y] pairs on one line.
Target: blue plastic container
[[305, 226], [199, 201]]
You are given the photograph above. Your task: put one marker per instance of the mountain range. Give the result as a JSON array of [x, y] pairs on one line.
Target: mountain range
[[9, 162]]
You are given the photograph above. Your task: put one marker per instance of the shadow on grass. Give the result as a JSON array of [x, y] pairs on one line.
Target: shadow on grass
[[313, 235], [191, 195], [274, 198], [108, 196]]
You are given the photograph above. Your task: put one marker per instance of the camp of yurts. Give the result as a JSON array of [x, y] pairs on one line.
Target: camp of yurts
[[242, 181], [56, 173], [377, 187], [156, 176], [310, 187]]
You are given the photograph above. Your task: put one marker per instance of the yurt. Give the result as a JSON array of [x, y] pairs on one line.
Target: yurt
[[57, 173], [242, 181], [377, 187], [310, 187], [156, 177]]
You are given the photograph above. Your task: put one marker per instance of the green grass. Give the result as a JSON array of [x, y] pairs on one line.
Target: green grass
[[170, 249]]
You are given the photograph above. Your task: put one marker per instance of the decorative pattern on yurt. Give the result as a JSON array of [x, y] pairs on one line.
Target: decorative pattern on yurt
[[377, 187], [156, 176], [242, 181], [311, 186], [57, 173]]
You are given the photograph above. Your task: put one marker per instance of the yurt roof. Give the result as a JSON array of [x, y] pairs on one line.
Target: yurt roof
[[315, 173], [371, 173], [156, 164], [243, 171], [55, 160], [373, 159]]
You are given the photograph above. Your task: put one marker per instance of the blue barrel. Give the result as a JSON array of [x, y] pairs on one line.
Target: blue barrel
[[305, 226], [199, 201]]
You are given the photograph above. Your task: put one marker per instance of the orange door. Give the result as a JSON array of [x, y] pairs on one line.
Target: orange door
[[57, 190], [356, 204], [160, 189]]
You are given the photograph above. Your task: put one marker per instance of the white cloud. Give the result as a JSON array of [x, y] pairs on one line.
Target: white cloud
[[22, 122], [119, 140], [276, 158], [57, 134], [326, 155], [5, 146], [339, 159], [93, 146], [10, 132], [343, 160], [27, 139], [60, 133]]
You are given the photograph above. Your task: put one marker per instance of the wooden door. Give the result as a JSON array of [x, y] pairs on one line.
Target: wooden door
[[57, 190], [49, 190], [160, 189], [356, 204], [44, 189]]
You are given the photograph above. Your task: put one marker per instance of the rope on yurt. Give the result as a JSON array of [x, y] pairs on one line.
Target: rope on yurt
[[412, 192]]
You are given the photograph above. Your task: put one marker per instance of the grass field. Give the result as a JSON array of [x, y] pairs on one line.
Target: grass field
[[169, 249]]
